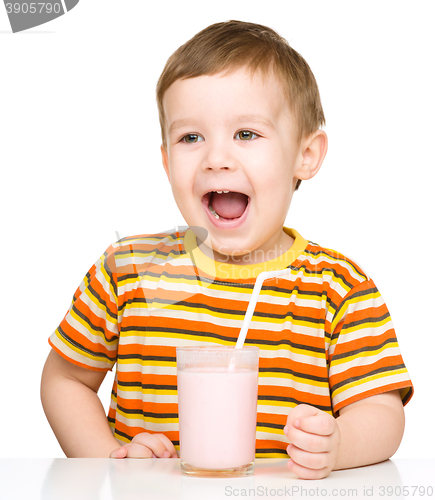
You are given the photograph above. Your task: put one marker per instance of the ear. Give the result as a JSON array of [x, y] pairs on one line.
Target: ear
[[313, 150], [165, 161]]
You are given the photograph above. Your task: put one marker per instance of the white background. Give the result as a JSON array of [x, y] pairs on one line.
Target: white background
[[80, 159]]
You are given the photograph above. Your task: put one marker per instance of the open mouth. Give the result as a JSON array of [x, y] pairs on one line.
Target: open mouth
[[226, 205]]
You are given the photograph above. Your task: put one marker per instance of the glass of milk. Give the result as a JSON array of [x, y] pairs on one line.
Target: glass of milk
[[217, 408]]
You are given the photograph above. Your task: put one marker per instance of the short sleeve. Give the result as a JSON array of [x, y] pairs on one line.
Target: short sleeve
[[364, 356], [88, 335]]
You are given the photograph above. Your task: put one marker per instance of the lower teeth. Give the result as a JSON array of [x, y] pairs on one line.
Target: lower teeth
[[213, 211]]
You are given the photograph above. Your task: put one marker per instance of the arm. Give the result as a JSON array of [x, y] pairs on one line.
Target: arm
[[366, 432], [371, 430], [74, 410], [77, 417]]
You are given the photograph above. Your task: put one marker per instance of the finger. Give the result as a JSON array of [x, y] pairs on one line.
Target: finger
[[312, 443], [119, 452], [321, 424], [299, 412], [305, 473], [315, 461], [136, 450], [155, 443], [169, 445]]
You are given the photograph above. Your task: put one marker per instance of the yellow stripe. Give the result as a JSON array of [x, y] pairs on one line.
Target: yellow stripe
[[272, 402], [165, 392], [272, 455], [143, 239], [223, 270], [95, 332], [378, 376], [84, 353], [205, 337], [229, 297], [336, 256], [101, 308], [293, 378], [270, 430], [367, 324], [154, 420], [138, 361], [356, 300], [119, 437], [364, 354]]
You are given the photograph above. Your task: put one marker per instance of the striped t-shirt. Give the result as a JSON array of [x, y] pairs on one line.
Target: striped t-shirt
[[325, 334]]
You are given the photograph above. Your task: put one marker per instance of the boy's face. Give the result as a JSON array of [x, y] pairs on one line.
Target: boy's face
[[233, 133]]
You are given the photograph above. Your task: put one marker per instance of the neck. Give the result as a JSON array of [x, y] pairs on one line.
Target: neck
[[258, 255]]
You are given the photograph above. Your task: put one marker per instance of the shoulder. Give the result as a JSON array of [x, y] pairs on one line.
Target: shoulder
[[147, 241], [332, 267], [125, 260], [129, 254]]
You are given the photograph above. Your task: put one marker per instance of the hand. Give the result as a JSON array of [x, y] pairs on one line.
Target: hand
[[146, 445], [315, 440]]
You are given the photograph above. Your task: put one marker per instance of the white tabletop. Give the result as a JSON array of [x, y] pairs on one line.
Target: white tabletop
[[161, 479]]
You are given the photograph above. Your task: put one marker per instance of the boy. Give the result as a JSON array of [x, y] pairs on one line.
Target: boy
[[240, 114]]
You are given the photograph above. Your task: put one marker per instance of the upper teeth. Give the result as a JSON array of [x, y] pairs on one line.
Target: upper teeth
[[220, 191]]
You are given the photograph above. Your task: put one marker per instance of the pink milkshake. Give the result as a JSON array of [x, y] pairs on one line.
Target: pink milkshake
[[217, 406]]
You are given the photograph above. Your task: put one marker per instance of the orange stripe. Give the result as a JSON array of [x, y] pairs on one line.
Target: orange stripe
[[372, 392], [312, 294], [76, 362]]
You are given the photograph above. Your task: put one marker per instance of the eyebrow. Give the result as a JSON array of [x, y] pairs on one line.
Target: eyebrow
[[180, 123], [240, 118], [254, 119]]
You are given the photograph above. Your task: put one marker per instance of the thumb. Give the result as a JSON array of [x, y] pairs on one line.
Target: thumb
[[300, 411]]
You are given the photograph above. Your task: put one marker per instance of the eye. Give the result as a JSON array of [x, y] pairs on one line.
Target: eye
[[191, 138], [246, 135]]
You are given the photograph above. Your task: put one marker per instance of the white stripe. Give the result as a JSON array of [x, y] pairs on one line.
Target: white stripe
[[181, 342], [369, 385], [322, 258], [274, 410], [345, 338], [288, 383], [166, 311], [99, 311], [146, 369], [279, 436], [362, 360], [96, 338], [147, 397], [70, 353], [159, 397], [150, 426]]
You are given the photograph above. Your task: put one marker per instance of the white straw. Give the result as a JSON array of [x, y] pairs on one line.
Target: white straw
[[253, 302]]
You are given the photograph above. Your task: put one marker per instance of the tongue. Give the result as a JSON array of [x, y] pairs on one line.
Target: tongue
[[229, 205]]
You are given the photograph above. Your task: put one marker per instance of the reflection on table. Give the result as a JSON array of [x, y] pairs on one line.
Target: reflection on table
[[161, 479]]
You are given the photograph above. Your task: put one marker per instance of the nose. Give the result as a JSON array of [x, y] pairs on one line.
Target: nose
[[219, 156]]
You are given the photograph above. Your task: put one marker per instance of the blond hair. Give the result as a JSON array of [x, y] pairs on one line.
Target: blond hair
[[231, 45]]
